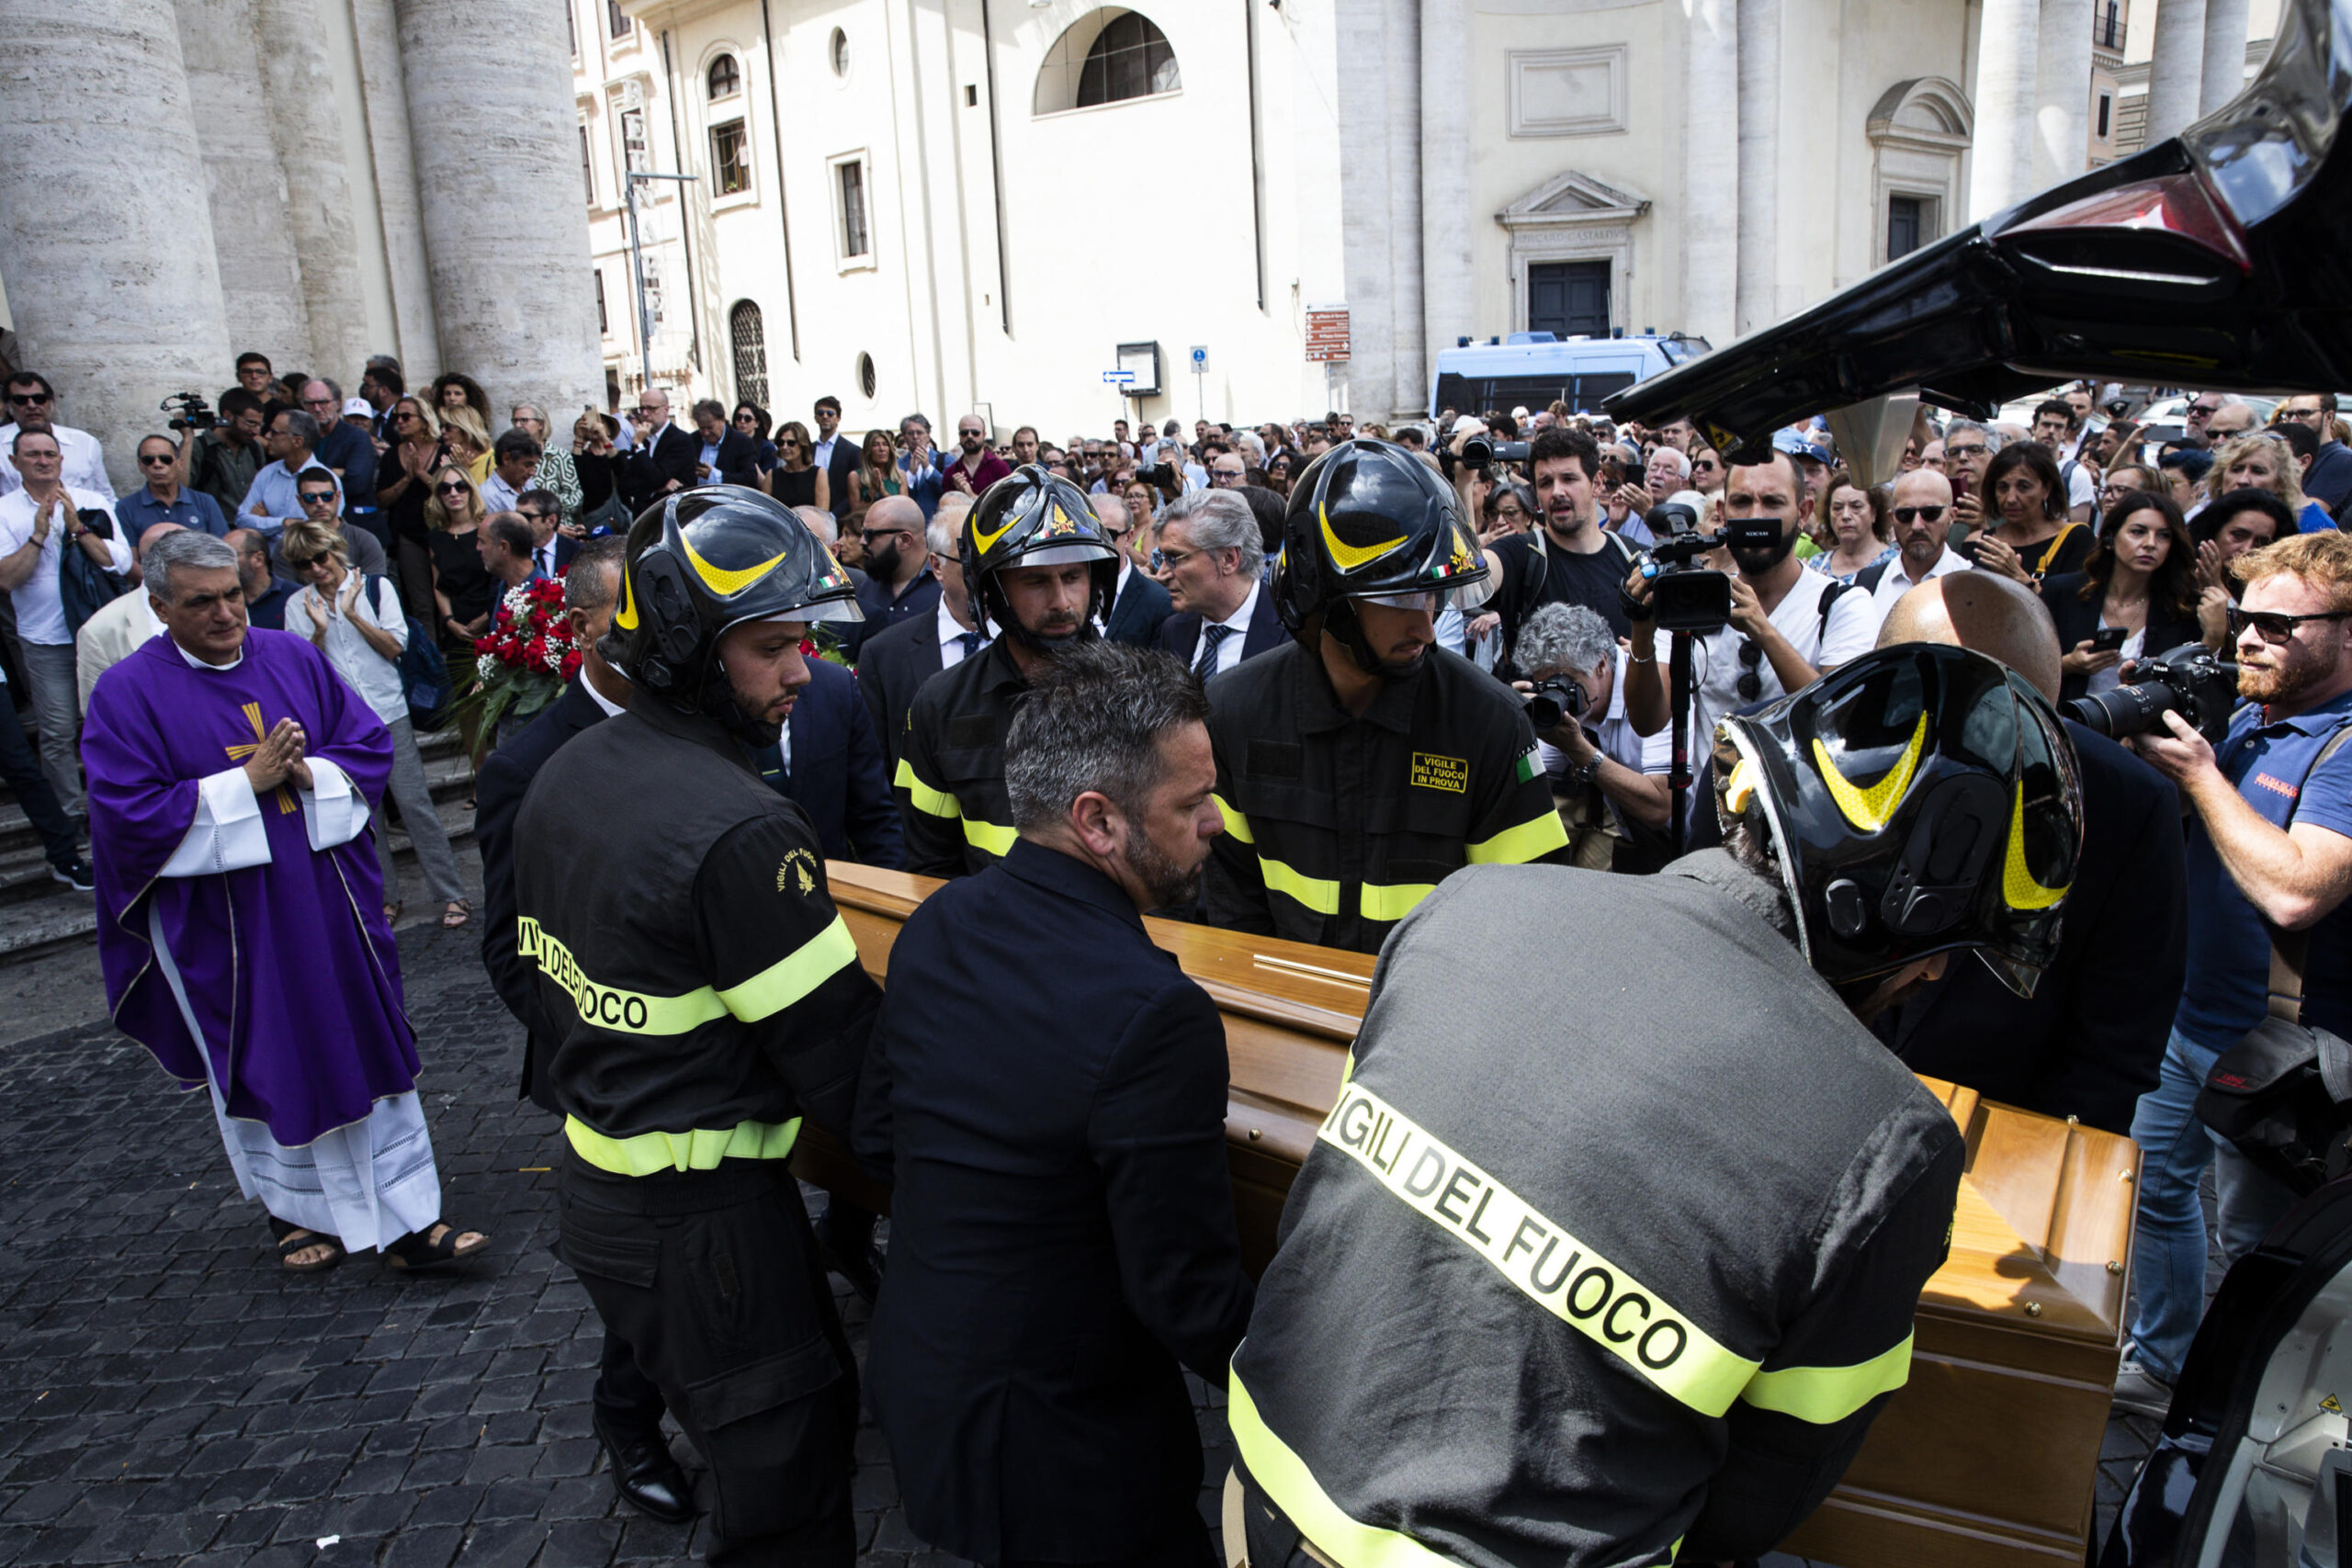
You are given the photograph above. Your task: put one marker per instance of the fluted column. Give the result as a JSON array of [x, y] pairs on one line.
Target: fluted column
[[2224, 75], [117, 301], [244, 184], [496, 136], [2177, 67], [2062, 119], [2007, 86], [1710, 168], [1759, 150], [1449, 277], [301, 108], [1410, 386], [376, 32]]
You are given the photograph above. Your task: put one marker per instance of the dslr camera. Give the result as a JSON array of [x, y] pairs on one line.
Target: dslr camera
[[1484, 451], [2189, 681], [1684, 595], [188, 412], [1555, 699]]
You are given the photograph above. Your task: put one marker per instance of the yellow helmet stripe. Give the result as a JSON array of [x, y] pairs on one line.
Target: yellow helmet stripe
[[983, 543], [725, 583], [625, 616], [1351, 557], [1869, 809], [2018, 888]]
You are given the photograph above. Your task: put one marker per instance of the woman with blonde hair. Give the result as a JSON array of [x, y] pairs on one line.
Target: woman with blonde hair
[[412, 460], [464, 593], [469, 441], [358, 625], [876, 474], [2264, 462]]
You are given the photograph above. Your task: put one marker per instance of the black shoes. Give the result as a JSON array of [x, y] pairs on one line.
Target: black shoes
[[75, 873], [644, 1475]]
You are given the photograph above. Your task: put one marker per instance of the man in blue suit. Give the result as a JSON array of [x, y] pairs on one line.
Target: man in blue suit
[[1211, 554], [1138, 606], [1047, 1087], [829, 763]]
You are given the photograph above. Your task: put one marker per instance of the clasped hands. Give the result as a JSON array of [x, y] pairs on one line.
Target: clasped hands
[[278, 757]]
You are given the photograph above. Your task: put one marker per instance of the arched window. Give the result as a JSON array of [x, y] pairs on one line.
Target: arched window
[[751, 345], [1105, 57], [725, 77]]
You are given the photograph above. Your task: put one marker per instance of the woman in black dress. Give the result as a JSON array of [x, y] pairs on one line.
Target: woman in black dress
[[463, 590], [798, 482], [2033, 538]]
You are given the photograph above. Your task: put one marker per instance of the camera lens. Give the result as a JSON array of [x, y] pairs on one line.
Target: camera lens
[[2125, 711]]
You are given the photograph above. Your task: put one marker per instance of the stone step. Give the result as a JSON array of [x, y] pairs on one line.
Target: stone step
[[36, 922]]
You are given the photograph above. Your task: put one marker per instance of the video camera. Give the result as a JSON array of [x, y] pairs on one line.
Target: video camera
[[2189, 681], [188, 412], [1484, 451], [1684, 595]]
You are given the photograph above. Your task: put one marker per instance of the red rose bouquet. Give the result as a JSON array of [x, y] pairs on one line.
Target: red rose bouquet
[[527, 658]]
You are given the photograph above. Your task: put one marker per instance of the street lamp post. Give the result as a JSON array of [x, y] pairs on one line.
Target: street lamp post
[[636, 270]]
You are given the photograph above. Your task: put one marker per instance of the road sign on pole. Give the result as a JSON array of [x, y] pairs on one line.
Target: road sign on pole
[[1199, 378], [1326, 334], [1119, 377]]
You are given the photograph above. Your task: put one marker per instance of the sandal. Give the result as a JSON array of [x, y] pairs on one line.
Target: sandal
[[293, 1239], [420, 1251], [456, 915]]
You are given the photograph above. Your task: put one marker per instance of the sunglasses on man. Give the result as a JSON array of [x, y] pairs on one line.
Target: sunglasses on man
[[1905, 514], [2276, 628], [29, 399], [318, 497]]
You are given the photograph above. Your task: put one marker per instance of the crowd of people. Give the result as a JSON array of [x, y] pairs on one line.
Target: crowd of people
[[1313, 680]]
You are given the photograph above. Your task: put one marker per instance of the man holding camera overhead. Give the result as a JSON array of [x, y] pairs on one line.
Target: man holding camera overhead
[[1568, 557], [1769, 646]]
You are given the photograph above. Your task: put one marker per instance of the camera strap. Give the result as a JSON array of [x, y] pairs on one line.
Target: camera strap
[[2289, 949]]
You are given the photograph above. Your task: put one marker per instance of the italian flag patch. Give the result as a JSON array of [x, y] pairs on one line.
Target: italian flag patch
[[1528, 765]]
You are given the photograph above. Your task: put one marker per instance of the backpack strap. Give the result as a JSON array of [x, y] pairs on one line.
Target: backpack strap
[[1867, 580], [2290, 948]]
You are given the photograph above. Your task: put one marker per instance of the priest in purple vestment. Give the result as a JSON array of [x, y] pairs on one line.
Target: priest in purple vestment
[[241, 921]]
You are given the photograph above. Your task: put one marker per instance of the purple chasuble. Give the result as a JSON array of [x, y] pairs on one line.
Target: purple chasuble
[[289, 967]]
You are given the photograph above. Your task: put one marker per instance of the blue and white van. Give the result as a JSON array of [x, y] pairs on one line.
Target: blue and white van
[[1537, 368]]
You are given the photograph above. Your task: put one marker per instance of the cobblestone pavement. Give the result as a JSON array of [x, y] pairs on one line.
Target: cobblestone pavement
[[171, 1396]]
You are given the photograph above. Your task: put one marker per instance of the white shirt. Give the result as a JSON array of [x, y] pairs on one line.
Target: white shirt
[[1715, 668], [822, 455], [1855, 619], [1616, 740], [40, 610], [376, 678], [951, 636], [497, 495], [1228, 653], [710, 460], [85, 462], [612, 709]]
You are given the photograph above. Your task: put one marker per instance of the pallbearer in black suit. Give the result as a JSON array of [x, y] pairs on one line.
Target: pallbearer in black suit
[[1047, 1092], [893, 664], [1138, 606]]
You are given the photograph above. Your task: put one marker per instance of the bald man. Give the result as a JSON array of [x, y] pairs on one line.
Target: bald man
[[117, 628], [1922, 513], [899, 585], [2091, 1040]]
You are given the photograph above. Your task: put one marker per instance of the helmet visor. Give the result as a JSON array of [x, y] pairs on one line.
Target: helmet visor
[[1465, 597]]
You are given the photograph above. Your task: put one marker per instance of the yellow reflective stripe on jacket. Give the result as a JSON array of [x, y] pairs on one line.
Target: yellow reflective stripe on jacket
[[1592, 1296], [937, 802], [789, 979], [1292, 1487], [1391, 903], [700, 1149], [609, 1007], [1823, 1395], [1234, 823], [1536, 837], [988, 836], [1317, 894]]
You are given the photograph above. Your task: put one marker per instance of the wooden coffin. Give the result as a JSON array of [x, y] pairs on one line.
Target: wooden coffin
[[1984, 1460]]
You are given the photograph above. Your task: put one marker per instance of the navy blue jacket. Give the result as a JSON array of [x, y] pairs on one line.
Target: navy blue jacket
[[2091, 1041], [1137, 616], [919, 602], [1181, 634], [837, 776], [1047, 1089]]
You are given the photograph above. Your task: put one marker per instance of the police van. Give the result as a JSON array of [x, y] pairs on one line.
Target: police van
[[1535, 370]]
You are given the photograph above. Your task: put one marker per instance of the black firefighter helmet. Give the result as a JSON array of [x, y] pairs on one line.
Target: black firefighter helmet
[[1369, 520], [1920, 798], [1031, 518], [707, 559]]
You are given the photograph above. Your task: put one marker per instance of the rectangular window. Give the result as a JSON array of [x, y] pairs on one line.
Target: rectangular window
[[603, 326], [2106, 115], [619, 23], [1906, 225], [634, 156], [854, 241], [730, 158], [587, 167]]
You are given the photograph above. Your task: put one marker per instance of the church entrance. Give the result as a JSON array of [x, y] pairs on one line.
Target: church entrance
[[1569, 298]]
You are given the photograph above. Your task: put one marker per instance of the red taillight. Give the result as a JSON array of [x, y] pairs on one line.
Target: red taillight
[[2179, 205]]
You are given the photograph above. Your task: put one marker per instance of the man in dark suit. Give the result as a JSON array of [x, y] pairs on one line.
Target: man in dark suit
[[1210, 556], [893, 664], [551, 551], [1048, 1090], [1138, 606], [664, 456], [723, 455], [2092, 1038], [835, 453], [832, 768], [629, 1408]]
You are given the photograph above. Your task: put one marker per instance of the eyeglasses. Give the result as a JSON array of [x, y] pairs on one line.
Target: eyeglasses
[[1975, 451], [1905, 514], [529, 516], [29, 399], [2275, 628], [318, 497], [1168, 560], [154, 459], [2307, 413], [1751, 684], [1704, 463], [2203, 410]]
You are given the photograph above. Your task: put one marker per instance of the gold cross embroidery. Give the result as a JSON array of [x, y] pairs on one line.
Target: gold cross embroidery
[[239, 753]]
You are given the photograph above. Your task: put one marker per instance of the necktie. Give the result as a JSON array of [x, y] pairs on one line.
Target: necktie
[[1212, 638], [547, 558], [971, 641]]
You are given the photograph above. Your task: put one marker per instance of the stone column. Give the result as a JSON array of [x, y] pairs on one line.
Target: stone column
[[497, 150], [1711, 169], [1408, 387], [1758, 162], [2176, 68], [117, 300], [2062, 116], [1449, 275], [2224, 75], [301, 103], [261, 281], [2008, 83], [378, 34]]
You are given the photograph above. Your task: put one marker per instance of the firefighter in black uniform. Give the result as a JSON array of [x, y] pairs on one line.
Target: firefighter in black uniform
[[1362, 765], [704, 996], [1040, 569], [1609, 1250]]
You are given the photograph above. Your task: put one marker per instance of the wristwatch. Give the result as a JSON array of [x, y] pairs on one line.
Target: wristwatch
[[1587, 773]]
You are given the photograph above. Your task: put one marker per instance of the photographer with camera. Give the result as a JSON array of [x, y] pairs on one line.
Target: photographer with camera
[[1574, 697], [1568, 557], [2269, 866], [224, 456]]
